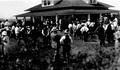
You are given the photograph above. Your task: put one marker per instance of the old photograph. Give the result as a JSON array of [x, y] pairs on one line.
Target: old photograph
[[59, 35]]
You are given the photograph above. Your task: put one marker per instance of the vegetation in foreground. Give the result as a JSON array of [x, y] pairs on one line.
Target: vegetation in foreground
[[90, 56]]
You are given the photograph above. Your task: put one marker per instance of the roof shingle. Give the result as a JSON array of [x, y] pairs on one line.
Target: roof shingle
[[67, 3]]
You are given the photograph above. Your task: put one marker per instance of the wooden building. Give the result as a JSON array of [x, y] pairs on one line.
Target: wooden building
[[59, 9]]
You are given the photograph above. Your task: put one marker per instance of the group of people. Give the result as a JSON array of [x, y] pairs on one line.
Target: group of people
[[51, 37], [27, 36], [60, 41], [105, 29], [82, 29]]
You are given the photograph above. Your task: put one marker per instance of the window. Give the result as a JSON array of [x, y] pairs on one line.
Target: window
[[93, 2], [90, 1], [47, 3], [86, 1]]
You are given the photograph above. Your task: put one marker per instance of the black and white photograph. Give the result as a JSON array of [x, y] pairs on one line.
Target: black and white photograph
[[59, 34]]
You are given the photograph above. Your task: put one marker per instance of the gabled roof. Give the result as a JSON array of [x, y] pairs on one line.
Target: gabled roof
[[37, 7], [67, 3], [104, 4], [63, 3]]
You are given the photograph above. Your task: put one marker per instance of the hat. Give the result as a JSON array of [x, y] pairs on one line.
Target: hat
[[4, 33]]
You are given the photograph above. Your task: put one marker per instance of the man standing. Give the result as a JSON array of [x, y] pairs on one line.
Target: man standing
[[101, 35], [84, 30], [56, 42], [46, 37], [108, 31], [66, 41], [5, 41], [70, 27]]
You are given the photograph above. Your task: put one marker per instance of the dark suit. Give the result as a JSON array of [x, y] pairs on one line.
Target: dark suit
[[101, 35], [109, 34]]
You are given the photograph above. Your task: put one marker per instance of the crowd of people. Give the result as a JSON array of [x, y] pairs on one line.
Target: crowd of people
[[43, 35], [106, 30]]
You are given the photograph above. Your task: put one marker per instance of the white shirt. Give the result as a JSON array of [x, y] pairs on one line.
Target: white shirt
[[84, 28], [85, 24], [115, 22], [17, 30], [112, 26], [74, 26], [7, 28], [2, 23], [70, 26], [105, 26], [117, 36], [92, 24], [63, 38], [13, 28], [88, 22], [6, 23], [78, 26], [54, 28], [6, 38]]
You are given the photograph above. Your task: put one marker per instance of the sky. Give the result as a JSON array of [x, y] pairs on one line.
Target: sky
[[9, 8]]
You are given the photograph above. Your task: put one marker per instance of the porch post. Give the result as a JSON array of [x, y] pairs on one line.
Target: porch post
[[56, 19], [41, 18], [100, 18], [88, 16], [24, 18], [16, 18], [33, 20]]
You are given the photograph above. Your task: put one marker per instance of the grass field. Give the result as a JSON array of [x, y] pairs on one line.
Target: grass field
[[92, 47]]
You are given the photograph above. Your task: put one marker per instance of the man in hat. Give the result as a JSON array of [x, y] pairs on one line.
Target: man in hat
[[66, 41]]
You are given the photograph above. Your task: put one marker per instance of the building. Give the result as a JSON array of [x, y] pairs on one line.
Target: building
[[57, 9]]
